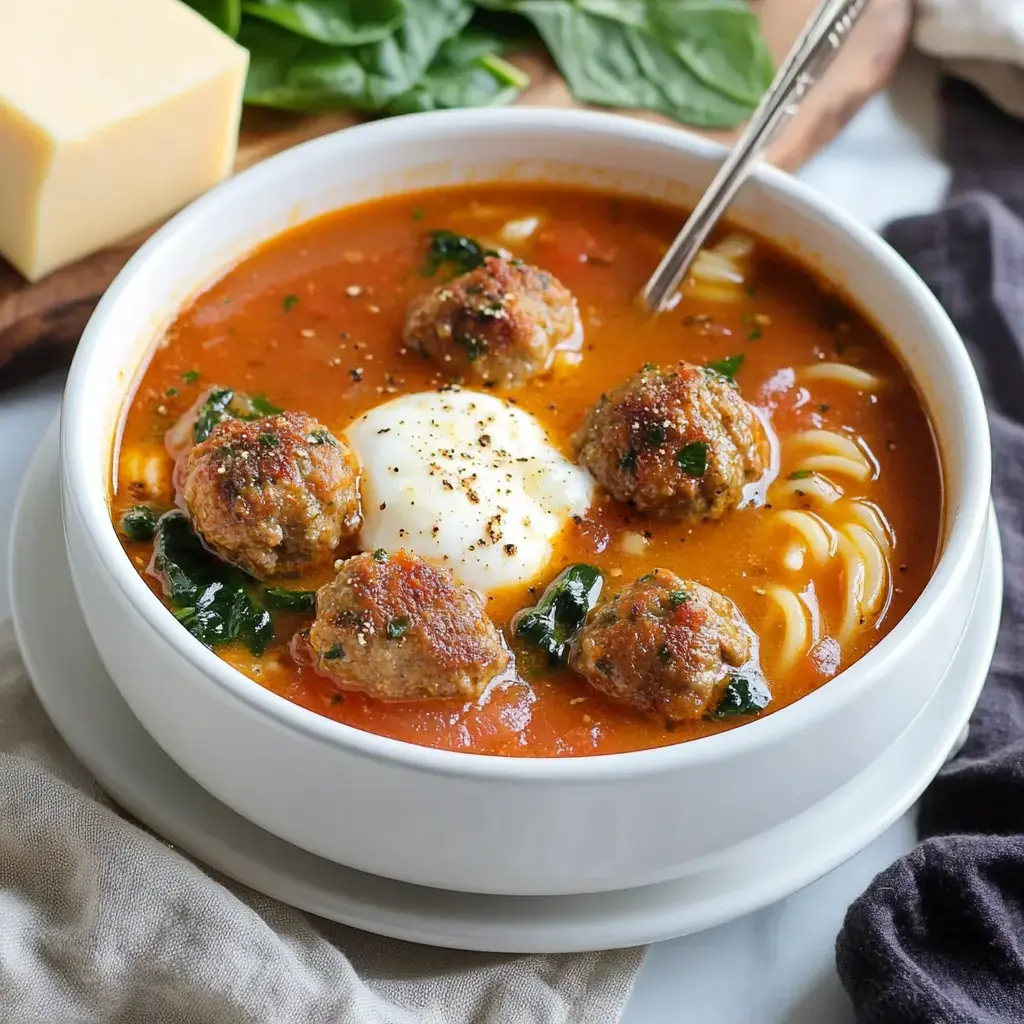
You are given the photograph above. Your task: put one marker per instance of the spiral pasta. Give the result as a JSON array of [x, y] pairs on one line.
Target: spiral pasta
[[719, 273], [841, 373], [824, 529], [799, 624], [827, 451], [146, 469]]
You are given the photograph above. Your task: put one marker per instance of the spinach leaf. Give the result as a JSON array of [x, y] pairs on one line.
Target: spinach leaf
[[225, 14], [551, 624], [468, 71], [210, 597], [139, 523], [458, 251], [702, 62], [335, 22], [742, 696], [727, 367], [214, 410], [224, 404], [294, 73], [281, 599], [262, 406], [693, 458]]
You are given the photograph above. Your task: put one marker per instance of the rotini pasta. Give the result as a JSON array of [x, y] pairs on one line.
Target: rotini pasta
[[146, 469], [800, 626], [829, 530], [831, 452], [719, 274], [812, 489], [841, 373], [865, 575], [815, 536]]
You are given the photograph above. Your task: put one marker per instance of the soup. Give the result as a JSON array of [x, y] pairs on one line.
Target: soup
[[597, 594]]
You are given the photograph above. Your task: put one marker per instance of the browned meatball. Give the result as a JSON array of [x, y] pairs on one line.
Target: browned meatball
[[674, 443], [664, 645], [272, 495], [500, 323], [398, 628]]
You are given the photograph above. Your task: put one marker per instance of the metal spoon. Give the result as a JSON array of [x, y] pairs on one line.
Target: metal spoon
[[811, 54]]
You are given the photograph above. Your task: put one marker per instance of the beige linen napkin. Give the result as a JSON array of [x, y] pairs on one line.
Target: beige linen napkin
[[981, 41], [100, 921]]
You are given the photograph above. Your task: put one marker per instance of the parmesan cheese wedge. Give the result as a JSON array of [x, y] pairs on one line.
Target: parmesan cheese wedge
[[113, 114]]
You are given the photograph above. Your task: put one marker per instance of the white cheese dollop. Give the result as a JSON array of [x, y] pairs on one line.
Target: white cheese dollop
[[465, 480]]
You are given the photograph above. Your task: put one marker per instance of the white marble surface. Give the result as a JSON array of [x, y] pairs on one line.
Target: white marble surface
[[883, 166]]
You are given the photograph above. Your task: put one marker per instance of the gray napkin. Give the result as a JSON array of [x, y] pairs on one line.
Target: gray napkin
[[101, 921]]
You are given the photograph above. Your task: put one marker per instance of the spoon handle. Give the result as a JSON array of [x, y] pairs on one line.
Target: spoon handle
[[811, 54]]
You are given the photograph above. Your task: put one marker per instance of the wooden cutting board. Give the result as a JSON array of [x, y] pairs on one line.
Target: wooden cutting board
[[40, 323]]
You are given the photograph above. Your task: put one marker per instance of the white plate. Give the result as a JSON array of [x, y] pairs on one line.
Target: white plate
[[91, 716]]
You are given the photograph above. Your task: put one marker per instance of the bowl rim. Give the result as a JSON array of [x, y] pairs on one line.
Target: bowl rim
[[89, 500]]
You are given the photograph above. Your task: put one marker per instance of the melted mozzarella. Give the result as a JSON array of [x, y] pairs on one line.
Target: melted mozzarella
[[465, 480]]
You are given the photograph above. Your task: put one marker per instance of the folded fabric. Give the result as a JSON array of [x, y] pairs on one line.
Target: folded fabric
[[103, 923], [981, 41], [939, 936]]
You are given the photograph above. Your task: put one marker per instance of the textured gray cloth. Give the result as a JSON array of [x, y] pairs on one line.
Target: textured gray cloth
[[100, 921]]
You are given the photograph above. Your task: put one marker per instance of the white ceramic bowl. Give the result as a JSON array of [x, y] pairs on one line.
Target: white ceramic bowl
[[490, 824]]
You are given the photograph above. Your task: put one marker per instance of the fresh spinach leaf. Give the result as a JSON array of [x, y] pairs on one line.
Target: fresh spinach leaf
[[702, 62], [551, 624], [742, 695], [210, 597], [281, 599], [294, 73], [468, 71], [459, 252], [335, 22], [225, 14], [727, 367], [720, 42]]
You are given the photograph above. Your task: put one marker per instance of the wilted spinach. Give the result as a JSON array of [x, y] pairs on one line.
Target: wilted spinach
[[225, 404], [742, 695], [727, 367], [459, 252], [139, 523], [211, 599], [551, 624], [281, 599]]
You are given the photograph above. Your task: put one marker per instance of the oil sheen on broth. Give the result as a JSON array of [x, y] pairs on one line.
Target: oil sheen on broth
[[837, 542]]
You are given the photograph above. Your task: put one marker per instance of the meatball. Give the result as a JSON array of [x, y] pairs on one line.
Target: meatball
[[398, 628], [664, 645], [675, 444], [272, 495], [500, 323]]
